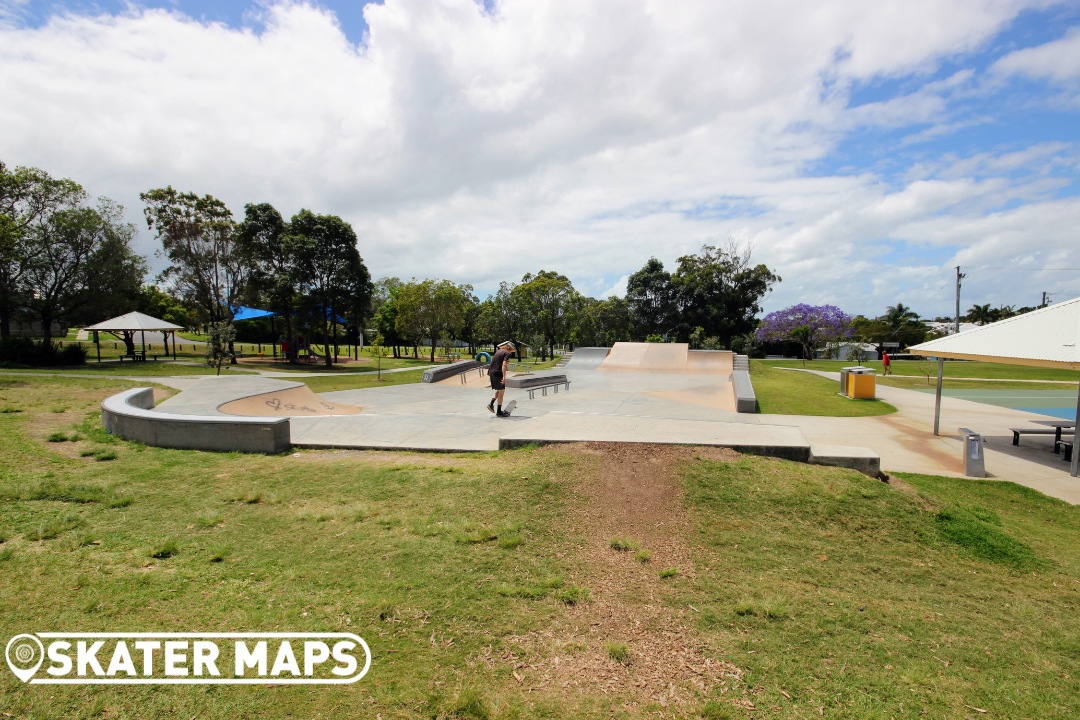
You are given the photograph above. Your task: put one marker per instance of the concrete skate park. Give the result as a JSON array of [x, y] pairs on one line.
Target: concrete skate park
[[633, 392]]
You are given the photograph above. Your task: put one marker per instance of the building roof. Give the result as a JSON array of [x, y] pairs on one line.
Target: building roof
[[133, 321], [947, 328], [1041, 338]]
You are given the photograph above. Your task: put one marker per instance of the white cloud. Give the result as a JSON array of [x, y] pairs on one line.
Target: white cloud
[[578, 137], [1058, 60]]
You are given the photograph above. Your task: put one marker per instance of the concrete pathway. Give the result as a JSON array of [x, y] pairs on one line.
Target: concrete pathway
[[906, 442]]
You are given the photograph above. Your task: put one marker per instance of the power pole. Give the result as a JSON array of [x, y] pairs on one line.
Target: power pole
[[959, 276]]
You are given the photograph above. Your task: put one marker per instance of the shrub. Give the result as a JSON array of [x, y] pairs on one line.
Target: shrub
[[24, 352], [71, 354]]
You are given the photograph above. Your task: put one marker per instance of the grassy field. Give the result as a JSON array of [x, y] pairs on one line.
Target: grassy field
[[190, 360], [782, 392], [249, 355], [568, 581], [919, 369]]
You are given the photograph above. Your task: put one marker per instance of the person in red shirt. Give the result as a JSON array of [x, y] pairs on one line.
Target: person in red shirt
[[886, 362], [497, 371]]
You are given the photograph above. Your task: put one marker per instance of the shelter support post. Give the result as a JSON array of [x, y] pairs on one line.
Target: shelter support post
[[1074, 469], [937, 395]]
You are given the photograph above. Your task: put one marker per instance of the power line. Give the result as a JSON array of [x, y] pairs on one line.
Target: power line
[[1014, 268]]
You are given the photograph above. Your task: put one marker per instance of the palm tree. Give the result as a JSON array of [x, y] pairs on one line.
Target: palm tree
[[898, 315], [980, 314]]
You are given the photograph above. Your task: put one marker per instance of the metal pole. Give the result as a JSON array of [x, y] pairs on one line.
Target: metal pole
[[959, 275], [937, 395], [1074, 469]]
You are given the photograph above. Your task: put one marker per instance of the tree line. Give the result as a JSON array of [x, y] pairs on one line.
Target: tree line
[[62, 257], [711, 300], [65, 259]]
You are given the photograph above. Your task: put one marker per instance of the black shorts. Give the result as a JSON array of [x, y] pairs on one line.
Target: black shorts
[[497, 382]]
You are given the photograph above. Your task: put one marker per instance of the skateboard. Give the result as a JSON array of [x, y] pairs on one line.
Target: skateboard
[[509, 407]]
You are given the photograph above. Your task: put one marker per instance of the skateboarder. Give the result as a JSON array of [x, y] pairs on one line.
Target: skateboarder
[[497, 372]]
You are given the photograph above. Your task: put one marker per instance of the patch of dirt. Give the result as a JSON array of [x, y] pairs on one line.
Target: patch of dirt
[[43, 425], [633, 493]]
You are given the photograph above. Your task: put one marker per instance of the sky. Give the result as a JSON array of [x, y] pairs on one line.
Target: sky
[[861, 150]]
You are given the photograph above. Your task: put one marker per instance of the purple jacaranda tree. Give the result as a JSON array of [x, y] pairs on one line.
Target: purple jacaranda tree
[[808, 325]]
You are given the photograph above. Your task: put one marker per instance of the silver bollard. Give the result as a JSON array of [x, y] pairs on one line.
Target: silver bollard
[[974, 465]]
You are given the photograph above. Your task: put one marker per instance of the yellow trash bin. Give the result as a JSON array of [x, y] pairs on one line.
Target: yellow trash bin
[[861, 386]]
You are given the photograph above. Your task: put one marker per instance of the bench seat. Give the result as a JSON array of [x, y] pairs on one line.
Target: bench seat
[[1017, 432]]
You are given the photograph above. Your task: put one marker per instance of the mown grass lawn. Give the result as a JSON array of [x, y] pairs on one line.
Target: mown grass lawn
[[930, 597], [783, 392], [834, 595], [952, 369]]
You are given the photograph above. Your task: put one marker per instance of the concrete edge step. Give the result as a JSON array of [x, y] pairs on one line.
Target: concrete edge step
[[862, 459]]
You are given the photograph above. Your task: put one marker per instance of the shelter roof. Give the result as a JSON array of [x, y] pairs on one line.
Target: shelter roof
[[134, 321], [1041, 338], [250, 313]]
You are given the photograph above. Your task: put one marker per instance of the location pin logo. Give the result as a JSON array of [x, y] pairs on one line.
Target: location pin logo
[[24, 655]]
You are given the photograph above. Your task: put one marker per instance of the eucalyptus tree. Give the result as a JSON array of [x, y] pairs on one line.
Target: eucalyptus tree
[[28, 198], [260, 240], [650, 296], [198, 237], [720, 290], [550, 303], [502, 316], [384, 320], [80, 256], [432, 309], [602, 322], [326, 267]]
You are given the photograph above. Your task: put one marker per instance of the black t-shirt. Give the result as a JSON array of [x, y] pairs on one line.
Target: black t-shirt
[[496, 366]]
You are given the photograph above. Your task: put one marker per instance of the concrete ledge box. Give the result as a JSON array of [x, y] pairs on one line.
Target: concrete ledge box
[[434, 375]]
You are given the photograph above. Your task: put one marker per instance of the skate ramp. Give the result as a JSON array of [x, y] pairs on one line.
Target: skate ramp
[[666, 357], [717, 397], [710, 361], [291, 402], [587, 358]]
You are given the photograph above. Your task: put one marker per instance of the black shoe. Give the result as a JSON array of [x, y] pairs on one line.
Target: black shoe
[[491, 406], [502, 414]]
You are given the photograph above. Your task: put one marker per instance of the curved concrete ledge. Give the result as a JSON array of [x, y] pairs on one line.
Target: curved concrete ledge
[[130, 415]]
